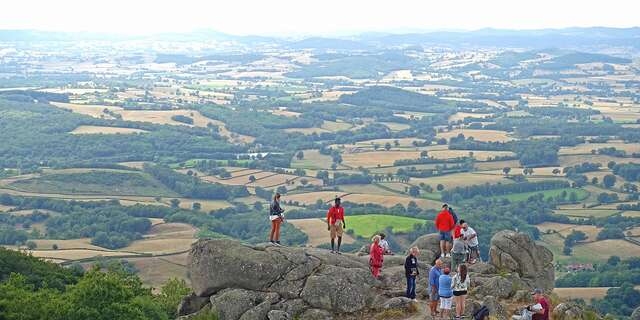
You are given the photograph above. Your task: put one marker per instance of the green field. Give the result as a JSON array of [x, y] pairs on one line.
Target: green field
[[95, 182], [367, 225], [585, 213], [582, 194]]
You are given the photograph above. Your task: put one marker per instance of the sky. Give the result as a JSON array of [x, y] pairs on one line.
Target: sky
[[305, 17]]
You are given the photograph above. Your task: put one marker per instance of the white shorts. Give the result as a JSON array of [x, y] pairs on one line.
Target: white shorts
[[445, 303], [274, 217]]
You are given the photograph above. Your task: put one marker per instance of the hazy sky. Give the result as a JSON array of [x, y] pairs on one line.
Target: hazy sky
[[311, 16]]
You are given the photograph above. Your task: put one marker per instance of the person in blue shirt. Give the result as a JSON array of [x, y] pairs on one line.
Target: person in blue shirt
[[434, 278], [445, 292]]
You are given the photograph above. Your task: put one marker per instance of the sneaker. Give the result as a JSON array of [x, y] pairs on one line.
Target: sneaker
[[278, 244], [442, 255], [333, 251], [448, 255], [338, 252]]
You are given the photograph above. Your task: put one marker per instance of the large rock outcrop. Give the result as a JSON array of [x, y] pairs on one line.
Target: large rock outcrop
[[243, 282], [517, 252]]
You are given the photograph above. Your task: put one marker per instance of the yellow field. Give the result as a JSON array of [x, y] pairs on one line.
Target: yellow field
[[572, 160], [207, 205], [581, 293], [565, 229], [394, 126], [460, 179], [601, 250], [462, 115], [75, 254], [312, 160], [497, 165], [4, 208], [316, 230], [587, 147], [133, 164], [165, 238], [312, 197], [95, 111], [390, 201], [479, 135], [366, 188], [84, 243], [155, 271], [336, 125], [105, 130], [478, 154], [631, 214], [375, 158], [545, 172], [286, 113]]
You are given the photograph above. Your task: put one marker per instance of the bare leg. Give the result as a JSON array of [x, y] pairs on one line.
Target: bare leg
[[339, 242]]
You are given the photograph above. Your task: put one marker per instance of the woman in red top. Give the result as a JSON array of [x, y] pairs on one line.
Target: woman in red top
[[375, 257]]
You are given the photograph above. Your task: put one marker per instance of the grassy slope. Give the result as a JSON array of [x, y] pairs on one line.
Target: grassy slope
[[367, 225]]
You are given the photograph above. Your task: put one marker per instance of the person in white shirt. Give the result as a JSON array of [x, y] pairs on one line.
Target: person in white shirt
[[386, 248], [470, 237]]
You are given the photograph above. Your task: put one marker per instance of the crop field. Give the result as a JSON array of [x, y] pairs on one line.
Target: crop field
[[582, 293], [155, 271], [390, 201], [586, 148], [377, 158], [95, 111], [394, 126], [206, 205], [544, 172], [585, 213], [602, 250], [281, 179], [450, 181], [479, 135], [316, 230], [76, 254], [312, 197], [366, 188], [368, 225], [165, 238], [582, 194], [83, 243], [478, 154], [565, 229], [631, 214], [95, 182], [497, 165], [462, 115], [572, 160], [312, 160], [105, 130]]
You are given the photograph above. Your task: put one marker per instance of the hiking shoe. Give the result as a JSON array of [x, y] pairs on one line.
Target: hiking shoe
[[442, 255], [278, 244], [332, 251], [338, 252], [448, 255]]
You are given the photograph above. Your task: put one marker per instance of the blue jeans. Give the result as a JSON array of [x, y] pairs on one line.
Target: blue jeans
[[411, 287]]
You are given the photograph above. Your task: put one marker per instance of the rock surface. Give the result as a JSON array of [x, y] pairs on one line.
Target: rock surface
[[571, 311], [242, 282], [636, 314], [517, 252]]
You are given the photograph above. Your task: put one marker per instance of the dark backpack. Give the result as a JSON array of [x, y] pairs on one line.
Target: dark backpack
[[481, 314], [453, 215]]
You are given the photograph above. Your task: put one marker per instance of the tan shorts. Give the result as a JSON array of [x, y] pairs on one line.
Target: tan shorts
[[336, 229]]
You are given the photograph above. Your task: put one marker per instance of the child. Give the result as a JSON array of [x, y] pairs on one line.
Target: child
[[386, 248], [375, 257], [445, 292]]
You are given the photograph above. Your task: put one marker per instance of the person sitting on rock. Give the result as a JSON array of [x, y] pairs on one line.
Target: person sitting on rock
[[411, 271], [336, 224], [276, 217], [444, 223], [386, 248], [537, 311], [458, 252], [376, 257], [471, 240], [434, 283], [445, 292]]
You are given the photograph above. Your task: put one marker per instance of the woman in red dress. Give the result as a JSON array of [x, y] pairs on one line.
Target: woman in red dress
[[375, 257]]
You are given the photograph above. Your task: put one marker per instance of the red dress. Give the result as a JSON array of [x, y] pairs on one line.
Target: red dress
[[376, 259]]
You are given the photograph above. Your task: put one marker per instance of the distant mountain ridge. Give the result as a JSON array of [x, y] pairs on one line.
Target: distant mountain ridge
[[567, 38]]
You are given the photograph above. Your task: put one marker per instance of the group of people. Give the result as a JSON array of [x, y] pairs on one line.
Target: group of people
[[447, 285]]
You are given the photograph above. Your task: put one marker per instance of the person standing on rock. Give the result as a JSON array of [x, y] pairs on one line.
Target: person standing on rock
[[411, 271], [458, 252], [445, 292], [376, 257], [460, 286], [444, 223], [434, 283], [471, 239], [336, 224], [276, 217]]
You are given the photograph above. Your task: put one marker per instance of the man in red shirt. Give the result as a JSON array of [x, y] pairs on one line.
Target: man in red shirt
[[336, 224], [542, 314], [444, 223]]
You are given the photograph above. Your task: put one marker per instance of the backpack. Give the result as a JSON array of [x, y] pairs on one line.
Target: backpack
[[481, 314], [453, 215]]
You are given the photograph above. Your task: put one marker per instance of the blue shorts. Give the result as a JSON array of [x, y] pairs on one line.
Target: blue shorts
[[446, 236]]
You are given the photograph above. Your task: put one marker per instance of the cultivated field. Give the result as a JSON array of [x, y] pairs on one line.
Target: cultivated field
[[316, 230], [586, 148], [602, 250], [477, 154], [105, 130], [460, 179], [582, 293], [377, 158], [312, 160], [368, 225], [479, 135]]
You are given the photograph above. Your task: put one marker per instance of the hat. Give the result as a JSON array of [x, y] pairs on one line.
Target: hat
[[537, 291]]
